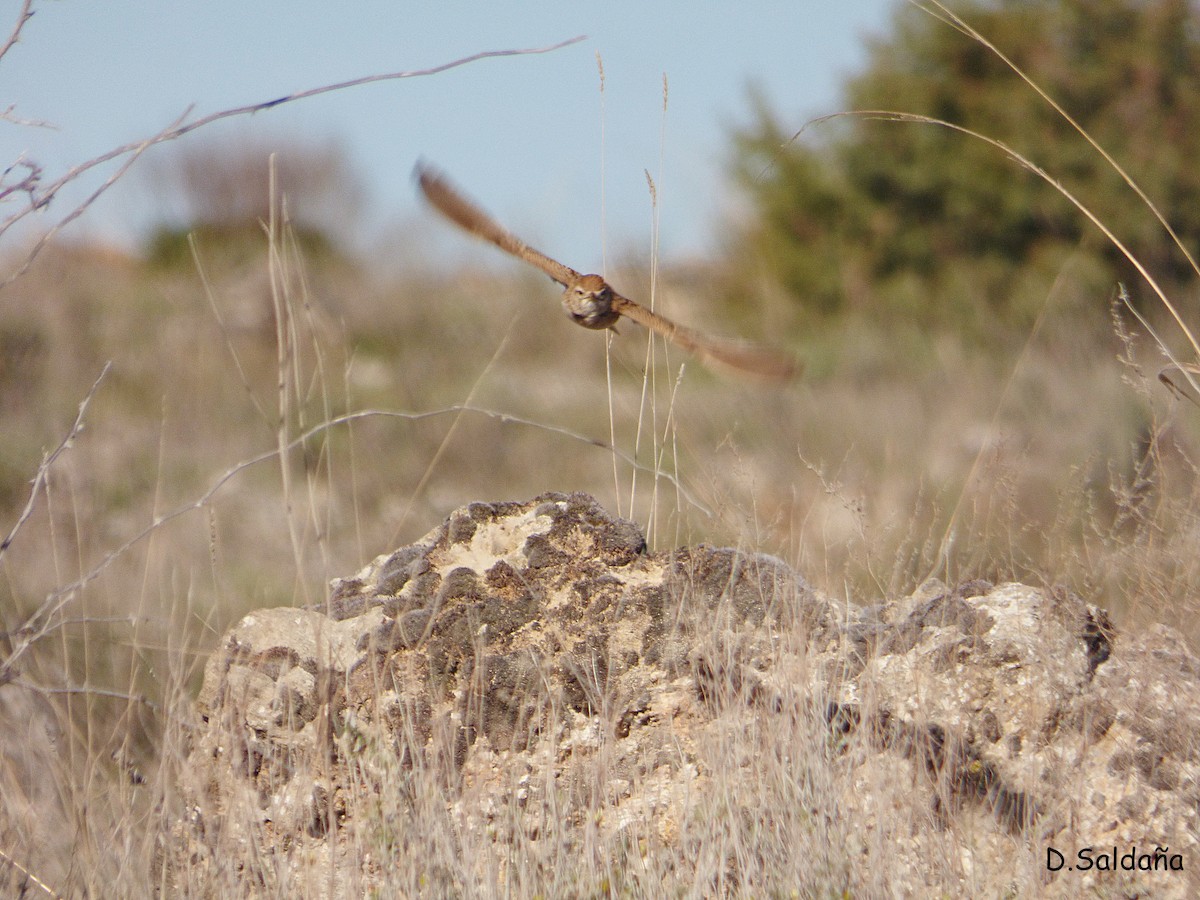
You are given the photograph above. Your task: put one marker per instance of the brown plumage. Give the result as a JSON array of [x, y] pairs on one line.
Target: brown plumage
[[588, 299]]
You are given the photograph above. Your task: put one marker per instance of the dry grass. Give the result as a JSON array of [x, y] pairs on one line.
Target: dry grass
[[856, 475], [218, 472]]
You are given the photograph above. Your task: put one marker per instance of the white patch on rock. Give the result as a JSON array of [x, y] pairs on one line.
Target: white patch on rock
[[495, 541]]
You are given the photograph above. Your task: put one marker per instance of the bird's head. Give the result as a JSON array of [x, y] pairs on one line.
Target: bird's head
[[589, 303]]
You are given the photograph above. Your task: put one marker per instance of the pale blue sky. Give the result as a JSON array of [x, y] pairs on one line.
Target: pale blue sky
[[521, 134]]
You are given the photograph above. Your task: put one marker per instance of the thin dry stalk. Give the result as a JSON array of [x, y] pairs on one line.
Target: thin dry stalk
[[43, 472], [63, 594], [955, 20], [1030, 166], [23, 18], [179, 128], [608, 382], [450, 432]]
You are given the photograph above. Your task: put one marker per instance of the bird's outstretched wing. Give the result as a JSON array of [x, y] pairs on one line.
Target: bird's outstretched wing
[[462, 212], [458, 209], [750, 360]]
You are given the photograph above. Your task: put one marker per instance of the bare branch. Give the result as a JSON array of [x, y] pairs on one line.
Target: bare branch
[[27, 185], [74, 214], [30, 876], [39, 623], [179, 128], [23, 16], [43, 471], [10, 115]]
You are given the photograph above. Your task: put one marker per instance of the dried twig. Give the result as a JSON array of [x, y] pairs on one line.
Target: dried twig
[[181, 127], [39, 623], [1188, 371], [23, 16], [9, 114], [29, 876], [39, 202], [43, 472], [27, 185]]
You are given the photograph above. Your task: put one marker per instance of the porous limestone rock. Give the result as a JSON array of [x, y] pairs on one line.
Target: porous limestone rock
[[528, 687]]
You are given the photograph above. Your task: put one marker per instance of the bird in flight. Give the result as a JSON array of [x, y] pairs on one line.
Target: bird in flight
[[588, 299]]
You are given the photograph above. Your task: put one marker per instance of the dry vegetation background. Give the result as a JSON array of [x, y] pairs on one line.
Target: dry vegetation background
[[274, 412]]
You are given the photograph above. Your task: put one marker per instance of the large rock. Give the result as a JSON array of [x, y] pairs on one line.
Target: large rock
[[526, 701]]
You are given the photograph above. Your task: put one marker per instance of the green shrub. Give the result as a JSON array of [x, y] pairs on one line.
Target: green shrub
[[919, 220]]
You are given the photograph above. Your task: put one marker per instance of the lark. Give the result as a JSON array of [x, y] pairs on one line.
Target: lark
[[588, 299]]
